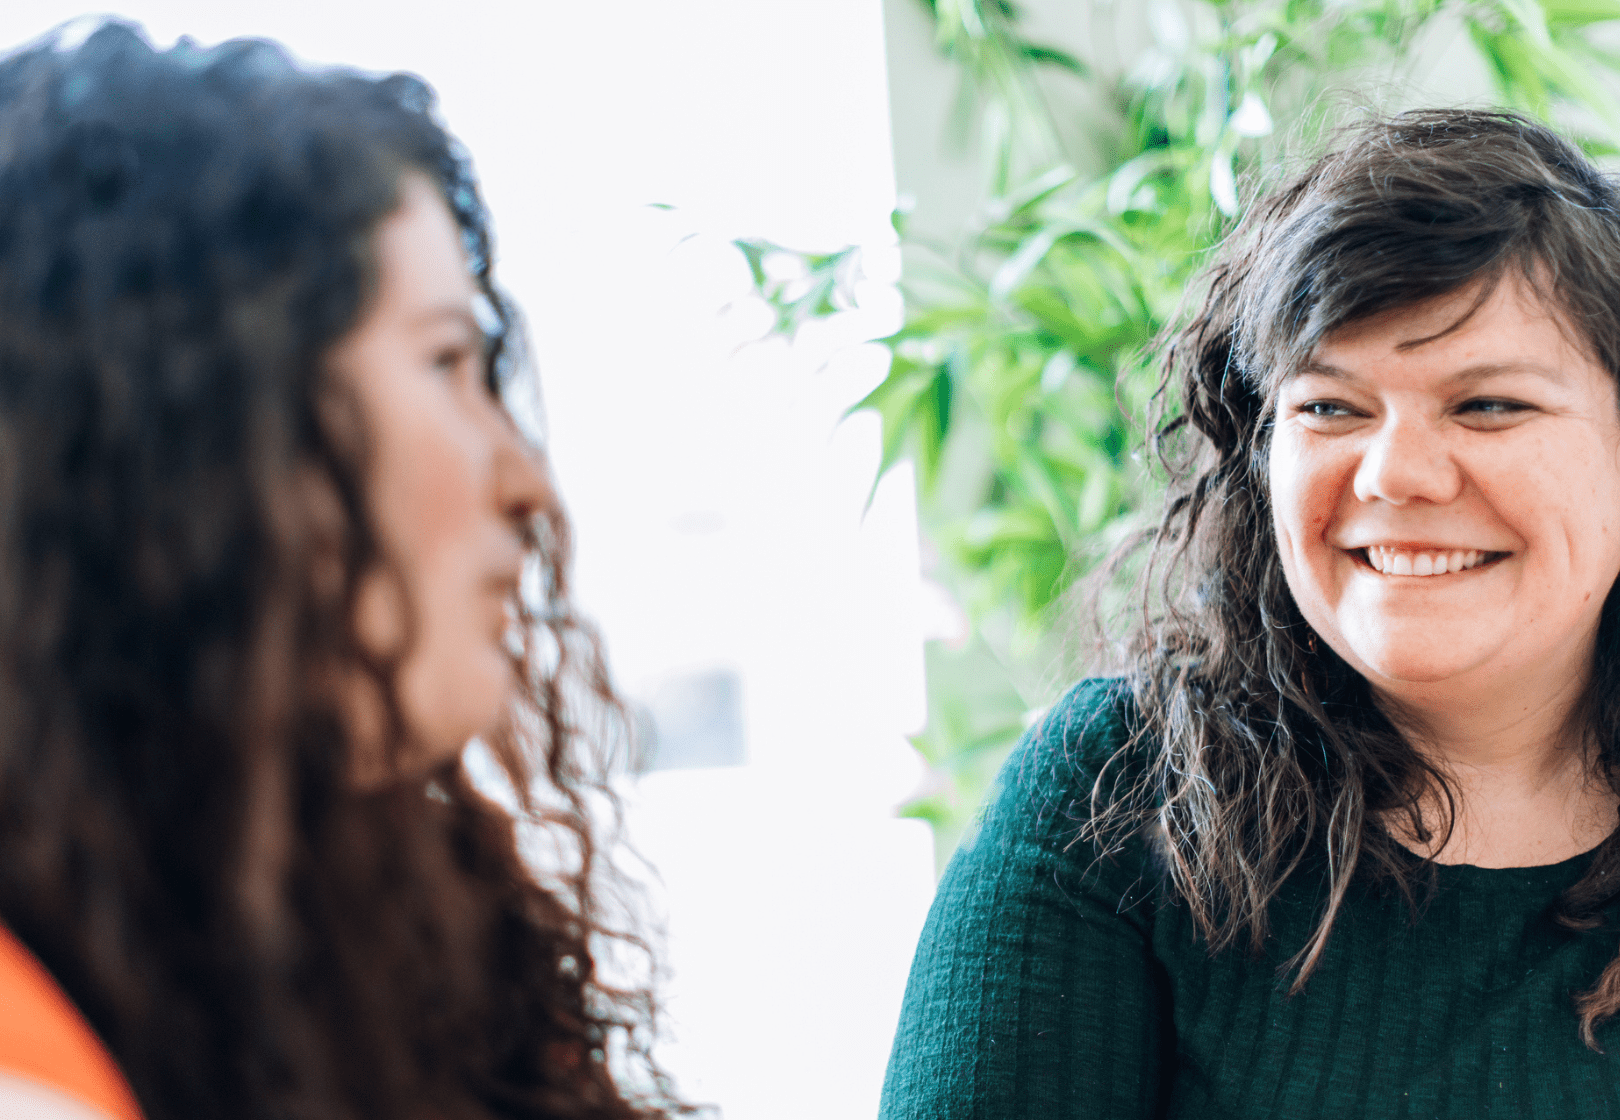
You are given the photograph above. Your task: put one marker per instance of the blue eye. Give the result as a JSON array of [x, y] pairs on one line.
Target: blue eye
[[1322, 409], [1492, 406]]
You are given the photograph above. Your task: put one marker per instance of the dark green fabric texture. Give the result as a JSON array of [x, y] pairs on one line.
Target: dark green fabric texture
[[1050, 984]]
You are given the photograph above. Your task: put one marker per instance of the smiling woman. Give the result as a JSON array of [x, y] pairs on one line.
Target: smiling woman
[[1445, 486], [1343, 840]]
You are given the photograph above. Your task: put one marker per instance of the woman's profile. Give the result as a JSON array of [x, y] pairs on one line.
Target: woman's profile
[[272, 552], [1342, 839]]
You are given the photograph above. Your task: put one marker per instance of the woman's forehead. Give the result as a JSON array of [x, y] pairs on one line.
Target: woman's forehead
[[1509, 308]]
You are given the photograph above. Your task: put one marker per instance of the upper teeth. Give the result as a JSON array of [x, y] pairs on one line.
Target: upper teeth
[[1406, 562]]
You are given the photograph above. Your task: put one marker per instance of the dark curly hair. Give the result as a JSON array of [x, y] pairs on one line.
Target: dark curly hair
[[1266, 747], [184, 235]]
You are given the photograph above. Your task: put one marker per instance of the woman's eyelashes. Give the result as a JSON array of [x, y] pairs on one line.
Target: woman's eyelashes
[[1494, 408], [468, 362], [1325, 410], [1475, 412], [1326, 415], [457, 359]]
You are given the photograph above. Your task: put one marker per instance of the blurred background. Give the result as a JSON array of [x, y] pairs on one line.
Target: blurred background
[[840, 314]]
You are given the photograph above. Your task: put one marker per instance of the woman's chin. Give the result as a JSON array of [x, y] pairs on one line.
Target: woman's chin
[[1414, 654], [1413, 668], [448, 705]]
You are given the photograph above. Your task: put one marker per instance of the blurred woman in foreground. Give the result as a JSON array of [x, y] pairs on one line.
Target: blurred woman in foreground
[[1343, 842], [265, 530]]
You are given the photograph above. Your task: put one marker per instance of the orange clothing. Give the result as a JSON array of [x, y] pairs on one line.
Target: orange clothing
[[44, 1038]]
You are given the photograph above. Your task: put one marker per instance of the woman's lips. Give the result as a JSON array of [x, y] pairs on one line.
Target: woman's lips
[[1391, 561]]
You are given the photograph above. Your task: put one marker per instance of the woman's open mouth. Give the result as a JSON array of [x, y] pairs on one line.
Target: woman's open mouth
[[1425, 561]]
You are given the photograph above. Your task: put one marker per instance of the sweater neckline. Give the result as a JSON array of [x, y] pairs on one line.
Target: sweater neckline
[[1540, 877]]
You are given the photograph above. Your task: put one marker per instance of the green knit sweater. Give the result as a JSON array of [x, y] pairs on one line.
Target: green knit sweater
[[1051, 985]]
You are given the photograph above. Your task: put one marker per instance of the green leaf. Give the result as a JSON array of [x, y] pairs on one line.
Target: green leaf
[[1122, 184], [1033, 251], [913, 403], [754, 253], [933, 424], [1036, 476], [1516, 73], [1037, 190], [1530, 17], [1578, 13], [1052, 56], [1097, 501]]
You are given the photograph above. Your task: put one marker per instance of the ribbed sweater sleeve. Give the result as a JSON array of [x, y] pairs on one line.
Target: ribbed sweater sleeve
[[1034, 992]]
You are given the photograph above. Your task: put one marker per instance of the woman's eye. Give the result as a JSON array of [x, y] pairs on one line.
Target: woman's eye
[[451, 359], [1323, 410], [1493, 407]]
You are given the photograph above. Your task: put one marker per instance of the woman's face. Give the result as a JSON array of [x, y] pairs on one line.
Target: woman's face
[[1447, 505], [451, 484]]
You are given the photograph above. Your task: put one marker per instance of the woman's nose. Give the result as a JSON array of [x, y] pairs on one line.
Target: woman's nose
[[1407, 461], [522, 482]]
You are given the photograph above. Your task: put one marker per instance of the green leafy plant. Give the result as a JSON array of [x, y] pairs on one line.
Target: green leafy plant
[[1019, 381]]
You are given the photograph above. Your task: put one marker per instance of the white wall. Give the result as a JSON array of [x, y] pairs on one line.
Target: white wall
[[717, 498]]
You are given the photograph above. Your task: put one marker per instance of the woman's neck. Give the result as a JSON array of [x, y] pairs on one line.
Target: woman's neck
[[1520, 766]]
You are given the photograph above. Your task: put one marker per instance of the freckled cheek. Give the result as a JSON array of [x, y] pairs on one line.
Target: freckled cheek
[[1544, 510], [1302, 495]]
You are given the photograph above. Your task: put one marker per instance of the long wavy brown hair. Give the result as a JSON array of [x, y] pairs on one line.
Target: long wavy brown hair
[[1267, 752], [184, 235]]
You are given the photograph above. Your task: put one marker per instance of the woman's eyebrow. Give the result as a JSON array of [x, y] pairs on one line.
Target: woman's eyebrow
[[1480, 371], [1322, 369], [442, 312]]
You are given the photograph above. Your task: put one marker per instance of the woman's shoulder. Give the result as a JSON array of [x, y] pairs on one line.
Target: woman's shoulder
[[1045, 789], [44, 1041], [1040, 830], [1091, 721], [1088, 733]]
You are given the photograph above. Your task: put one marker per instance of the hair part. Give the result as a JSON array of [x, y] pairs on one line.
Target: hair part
[[1268, 751]]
